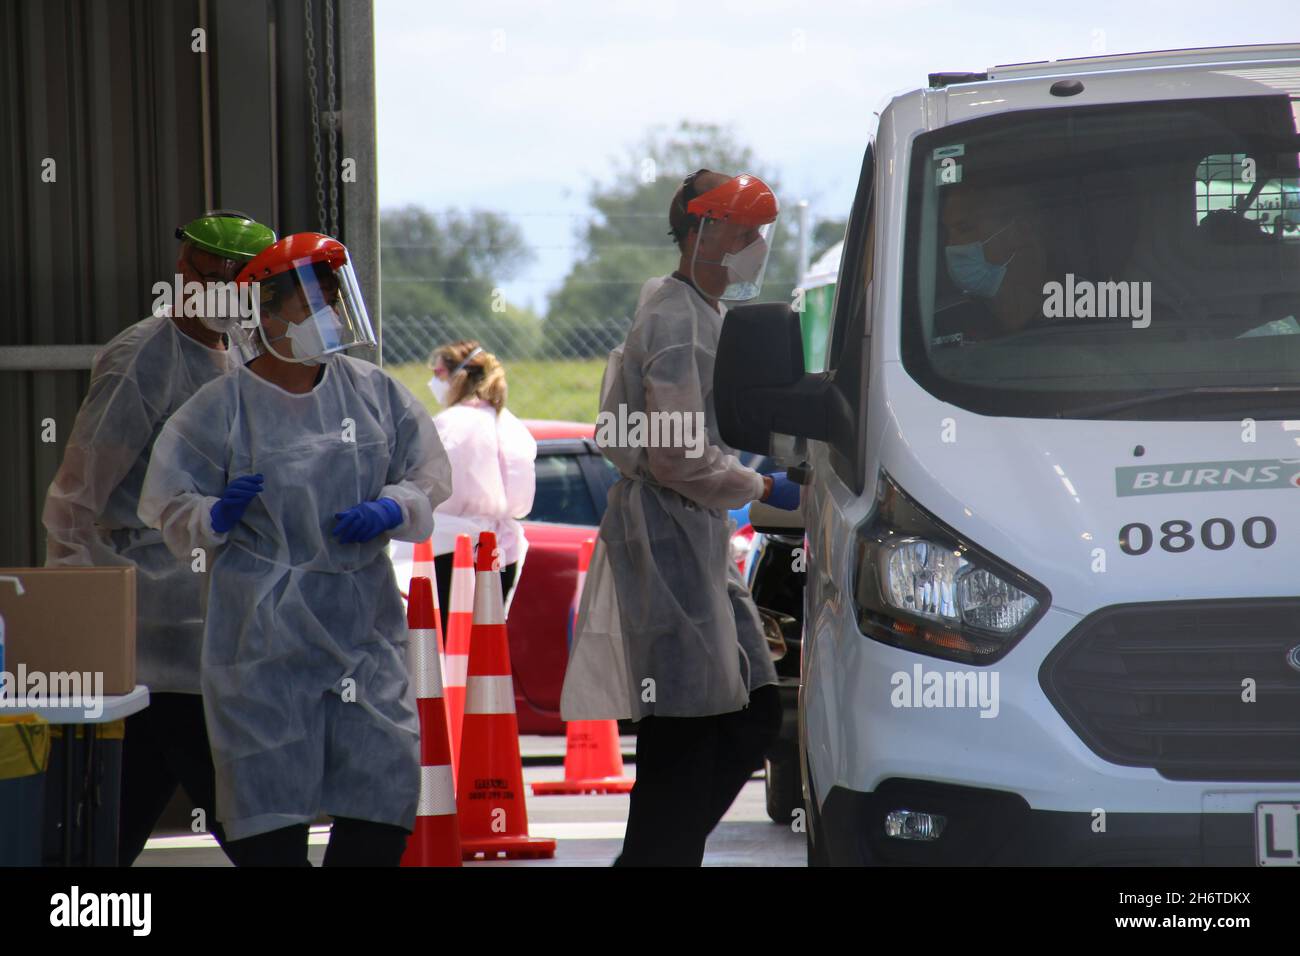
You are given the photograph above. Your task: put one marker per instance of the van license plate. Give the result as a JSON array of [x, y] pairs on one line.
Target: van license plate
[[1277, 834]]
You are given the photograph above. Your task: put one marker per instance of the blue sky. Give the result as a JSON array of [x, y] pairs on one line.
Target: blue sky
[[519, 106]]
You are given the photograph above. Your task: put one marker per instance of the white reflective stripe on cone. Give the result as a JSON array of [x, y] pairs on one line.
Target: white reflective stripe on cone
[[487, 599], [423, 657], [462, 591], [437, 792], [424, 569], [457, 669], [489, 695]]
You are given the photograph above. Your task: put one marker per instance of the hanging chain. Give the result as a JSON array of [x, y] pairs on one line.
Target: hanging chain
[[310, 38], [334, 118]]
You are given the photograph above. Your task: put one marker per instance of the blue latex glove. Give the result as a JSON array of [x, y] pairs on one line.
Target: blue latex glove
[[239, 494], [785, 493], [366, 520]]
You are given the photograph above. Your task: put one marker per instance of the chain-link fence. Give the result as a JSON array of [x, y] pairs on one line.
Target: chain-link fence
[[552, 371]]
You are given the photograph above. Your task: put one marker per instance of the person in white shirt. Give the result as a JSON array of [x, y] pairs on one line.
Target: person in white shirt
[[492, 462]]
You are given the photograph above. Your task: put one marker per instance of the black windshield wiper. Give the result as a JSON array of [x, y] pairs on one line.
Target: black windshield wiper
[[1151, 398]]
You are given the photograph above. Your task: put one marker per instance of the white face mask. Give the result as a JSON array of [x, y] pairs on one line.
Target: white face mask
[[308, 338], [218, 324], [441, 389], [745, 265]]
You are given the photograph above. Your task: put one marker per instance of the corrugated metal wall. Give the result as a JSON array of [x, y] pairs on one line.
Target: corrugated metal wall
[[145, 133]]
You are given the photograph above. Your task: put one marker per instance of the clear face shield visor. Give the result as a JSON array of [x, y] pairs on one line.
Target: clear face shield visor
[[312, 311], [730, 258]]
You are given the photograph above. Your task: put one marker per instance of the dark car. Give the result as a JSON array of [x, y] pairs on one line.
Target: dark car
[[776, 581]]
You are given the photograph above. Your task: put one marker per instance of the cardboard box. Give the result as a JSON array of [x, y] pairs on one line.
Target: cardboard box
[[72, 619]]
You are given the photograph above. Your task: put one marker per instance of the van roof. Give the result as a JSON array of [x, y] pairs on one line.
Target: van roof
[[1127, 61], [1212, 72]]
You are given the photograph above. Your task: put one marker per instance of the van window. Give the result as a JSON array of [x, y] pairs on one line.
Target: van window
[[847, 356], [1230, 182], [856, 264], [1109, 261]]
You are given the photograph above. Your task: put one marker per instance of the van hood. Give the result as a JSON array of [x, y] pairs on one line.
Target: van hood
[[1052, 496]]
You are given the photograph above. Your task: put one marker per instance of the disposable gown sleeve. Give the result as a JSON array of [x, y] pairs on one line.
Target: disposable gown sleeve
[[113, 428], [713, 478], [186, 477], [518, 453], [419, 472]]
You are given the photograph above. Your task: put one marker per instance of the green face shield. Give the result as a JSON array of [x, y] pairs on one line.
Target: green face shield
[[228, 235], [230, 238]]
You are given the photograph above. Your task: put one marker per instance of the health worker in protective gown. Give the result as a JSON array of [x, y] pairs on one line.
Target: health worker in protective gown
[[138, 380], [667, 633], [291, 474]]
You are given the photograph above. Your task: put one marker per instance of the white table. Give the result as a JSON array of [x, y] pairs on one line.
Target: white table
[[69, 711]]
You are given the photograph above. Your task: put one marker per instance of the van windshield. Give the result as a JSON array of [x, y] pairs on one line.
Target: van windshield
[[1132, 261]]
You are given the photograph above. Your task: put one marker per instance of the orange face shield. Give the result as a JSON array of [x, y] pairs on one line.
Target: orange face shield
[[737, 220]]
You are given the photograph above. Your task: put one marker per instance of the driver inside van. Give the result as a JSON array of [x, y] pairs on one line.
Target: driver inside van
[[994, 252]]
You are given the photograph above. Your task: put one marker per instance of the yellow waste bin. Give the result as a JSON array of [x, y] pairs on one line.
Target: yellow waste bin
[[24, 757]]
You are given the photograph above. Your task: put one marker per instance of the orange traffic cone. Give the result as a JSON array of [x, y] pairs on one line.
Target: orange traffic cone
[[460, 621], [490, 785], [436, 840], [422, 567], [593, 762]]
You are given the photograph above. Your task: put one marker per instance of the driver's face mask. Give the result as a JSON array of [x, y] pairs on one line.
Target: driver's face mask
[[972, 272]]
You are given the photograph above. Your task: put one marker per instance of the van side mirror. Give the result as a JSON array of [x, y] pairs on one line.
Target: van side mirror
[[759, 383]]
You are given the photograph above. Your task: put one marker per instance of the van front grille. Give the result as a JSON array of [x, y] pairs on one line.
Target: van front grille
[[1169, 686]]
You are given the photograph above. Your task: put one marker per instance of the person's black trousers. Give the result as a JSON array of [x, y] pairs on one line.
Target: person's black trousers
[[164, 746], [442, 566], [352, 843], [689, 770]]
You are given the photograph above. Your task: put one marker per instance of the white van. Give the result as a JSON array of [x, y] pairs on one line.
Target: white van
[[1052, 471]]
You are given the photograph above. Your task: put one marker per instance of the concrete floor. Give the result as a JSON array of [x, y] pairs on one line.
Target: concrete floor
[[588, 829]]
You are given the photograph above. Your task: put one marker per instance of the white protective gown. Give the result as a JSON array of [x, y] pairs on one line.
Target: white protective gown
[[138, 380], [493, 459], [665, 625], [304, 679]]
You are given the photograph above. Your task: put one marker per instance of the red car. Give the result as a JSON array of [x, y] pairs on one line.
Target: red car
[[573, 479]]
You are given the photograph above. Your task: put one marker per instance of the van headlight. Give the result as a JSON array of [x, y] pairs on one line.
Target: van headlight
[[922, 586]]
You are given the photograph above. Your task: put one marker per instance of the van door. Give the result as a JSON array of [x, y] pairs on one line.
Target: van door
[[840, 493]]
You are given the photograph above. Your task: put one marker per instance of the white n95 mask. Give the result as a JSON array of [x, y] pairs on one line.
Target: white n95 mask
[[746, 265], [316, 334], [311, 338], [441, 389]]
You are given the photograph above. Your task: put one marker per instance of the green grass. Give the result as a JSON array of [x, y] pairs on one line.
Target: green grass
[[563, 390]]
